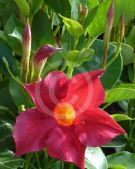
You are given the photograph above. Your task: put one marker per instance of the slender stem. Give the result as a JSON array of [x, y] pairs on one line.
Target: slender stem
[[106, 46], [75, 42], [70, 72]]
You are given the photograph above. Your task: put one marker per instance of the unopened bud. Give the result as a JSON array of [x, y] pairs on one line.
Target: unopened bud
[[26, 47], [26, 40], [110, 18], [80, 9], [41, 56], [85, 11]]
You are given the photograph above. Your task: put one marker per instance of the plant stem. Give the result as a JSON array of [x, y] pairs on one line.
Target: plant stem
[[70, 72]]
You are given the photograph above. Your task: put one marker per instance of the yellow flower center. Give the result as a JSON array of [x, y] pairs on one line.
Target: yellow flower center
[[64, 114]]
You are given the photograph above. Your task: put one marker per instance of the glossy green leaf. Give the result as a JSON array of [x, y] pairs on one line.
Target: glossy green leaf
[[95, 158], [113, 72], [19, 96], [5, 97], [13, 31], [127, 54], [41, 30], [121, 92], [6, 52], [36, 5], [121, 117], [119, 141], [97, 24], [60, 6], [9, 161], [73, 27], [117, 167], [124, 159], [6, 140], [130, 37], [23, 6], [75, 58]]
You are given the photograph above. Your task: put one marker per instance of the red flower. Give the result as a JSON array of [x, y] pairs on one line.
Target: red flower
[[67, 117]]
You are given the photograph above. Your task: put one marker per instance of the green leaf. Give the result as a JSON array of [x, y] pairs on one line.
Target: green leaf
[[9, 161], [6, 52], [119, 141], [121, 92], [121, 117], [124, 159], [127, 53], [13, 32], [130, 37], [5, 97], [6, 140], [113, 72], [60, 6], [75, 58], [23, 6], [36, 6], [41, 30], [19, 96], [117, 167], [97, 23], [95, 158], [73, 27]]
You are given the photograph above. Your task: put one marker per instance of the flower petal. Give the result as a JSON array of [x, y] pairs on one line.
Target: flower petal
[[62, 143], [96, 128], [30, 130], [48, 92], [85, 90]]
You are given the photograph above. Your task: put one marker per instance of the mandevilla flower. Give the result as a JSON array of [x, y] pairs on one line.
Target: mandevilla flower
[[67, 117]]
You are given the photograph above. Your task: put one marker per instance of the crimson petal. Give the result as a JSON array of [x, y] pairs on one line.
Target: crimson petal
[[62, 143], [85, 90], [96, 128], [30, 130], [48, 92]]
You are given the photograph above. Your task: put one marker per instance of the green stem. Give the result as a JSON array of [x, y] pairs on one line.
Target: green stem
[[106, 45], [75, 42], [70, 72]]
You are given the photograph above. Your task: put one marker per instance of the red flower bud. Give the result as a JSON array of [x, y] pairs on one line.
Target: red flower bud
[[44, 52], [110, 15]]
